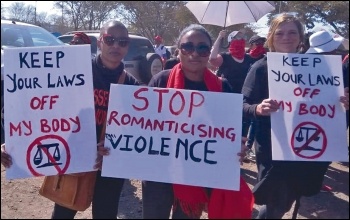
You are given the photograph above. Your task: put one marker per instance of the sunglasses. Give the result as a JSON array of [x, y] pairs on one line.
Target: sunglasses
[[109, 40], [202, 49]]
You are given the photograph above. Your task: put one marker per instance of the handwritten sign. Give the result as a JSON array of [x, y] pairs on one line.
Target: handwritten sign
[[49, 110], [174, 136], [310, 123]]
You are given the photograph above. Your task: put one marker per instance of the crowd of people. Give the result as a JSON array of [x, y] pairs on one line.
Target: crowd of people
[[279, 183]]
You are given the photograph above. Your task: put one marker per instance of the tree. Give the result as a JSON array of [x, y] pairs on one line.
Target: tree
[[153, 18], [94, 13], [87, 15], [328, 13], [18, 11], [166, 19], [3, 10]]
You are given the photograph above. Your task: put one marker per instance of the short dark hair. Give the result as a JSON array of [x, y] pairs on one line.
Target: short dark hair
[[194, 27], [112, 23]]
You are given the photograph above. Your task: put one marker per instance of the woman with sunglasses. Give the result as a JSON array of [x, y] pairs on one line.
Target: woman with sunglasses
[[191, 73], [280, 183], [107, 68]]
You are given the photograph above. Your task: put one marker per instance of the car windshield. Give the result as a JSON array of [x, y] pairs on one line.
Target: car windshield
[[138, 49], [13, 35]]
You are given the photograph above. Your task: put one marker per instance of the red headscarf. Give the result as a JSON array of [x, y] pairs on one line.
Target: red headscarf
[[258, 51], [84, 37], [222, 204]]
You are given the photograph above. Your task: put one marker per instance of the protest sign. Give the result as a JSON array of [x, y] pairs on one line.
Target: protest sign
[[174, 136], [49, 110], [310, 124]]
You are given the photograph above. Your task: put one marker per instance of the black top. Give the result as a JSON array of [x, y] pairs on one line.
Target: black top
[[234, 72], [102, 79], [256, 59]]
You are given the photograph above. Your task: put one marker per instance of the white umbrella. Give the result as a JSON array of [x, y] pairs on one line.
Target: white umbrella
[[227, 13]]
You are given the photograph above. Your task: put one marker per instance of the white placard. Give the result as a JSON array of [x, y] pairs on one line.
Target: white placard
[[174, 136], [310, 124], [49, 110]]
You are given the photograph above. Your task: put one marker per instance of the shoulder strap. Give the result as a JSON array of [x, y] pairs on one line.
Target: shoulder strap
[[122, 76]]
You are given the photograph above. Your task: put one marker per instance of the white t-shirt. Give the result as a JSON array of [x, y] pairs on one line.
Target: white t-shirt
[[160, 50]]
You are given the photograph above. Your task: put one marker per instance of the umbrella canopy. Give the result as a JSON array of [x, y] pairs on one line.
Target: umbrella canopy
[[227, 13]]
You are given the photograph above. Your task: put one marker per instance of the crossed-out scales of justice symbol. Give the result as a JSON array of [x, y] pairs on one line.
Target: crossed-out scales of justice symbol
[[300, 138], [38, 157]]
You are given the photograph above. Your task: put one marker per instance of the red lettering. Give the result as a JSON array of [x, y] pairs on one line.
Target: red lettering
[[192, 102], [138, 97], [44, 127], [302, 109], [314, 92], [160, 98], [177, 93], [297, 91], [35, 103], [60, 125], [101, 97], [113, 116]]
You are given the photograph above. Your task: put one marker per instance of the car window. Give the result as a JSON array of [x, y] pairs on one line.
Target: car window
[[138, 49], [26, 36], [67, 39]]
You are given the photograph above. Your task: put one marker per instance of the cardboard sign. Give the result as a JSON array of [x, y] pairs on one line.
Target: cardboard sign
[[310, 124], [49, 110], [174, 136]]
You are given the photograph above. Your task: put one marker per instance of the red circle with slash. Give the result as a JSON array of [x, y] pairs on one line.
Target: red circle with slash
[[319, 130], [38, 142]]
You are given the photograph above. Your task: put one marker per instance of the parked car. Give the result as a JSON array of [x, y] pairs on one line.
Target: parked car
[[19, 34], [141, 60]]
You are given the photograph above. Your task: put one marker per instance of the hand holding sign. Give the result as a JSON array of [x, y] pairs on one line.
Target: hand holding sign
[[345, 99], [266, 107], [6, 159]]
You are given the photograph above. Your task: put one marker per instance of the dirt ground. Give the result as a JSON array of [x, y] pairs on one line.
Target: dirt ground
[[20, 198]]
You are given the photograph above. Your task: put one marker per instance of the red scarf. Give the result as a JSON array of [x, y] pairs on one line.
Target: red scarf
[[192, 199], [258, 51], [237, 48]]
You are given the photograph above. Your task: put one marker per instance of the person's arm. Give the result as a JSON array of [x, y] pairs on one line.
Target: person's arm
[[6, 159], [164, 54], [345, 99], [215, 58]]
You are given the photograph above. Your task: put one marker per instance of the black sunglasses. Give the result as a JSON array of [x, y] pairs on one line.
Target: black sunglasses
[[109, 40], [202, 49]]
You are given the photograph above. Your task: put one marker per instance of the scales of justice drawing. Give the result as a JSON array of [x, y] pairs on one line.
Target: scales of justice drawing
[[305, 134], [38, 157]]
